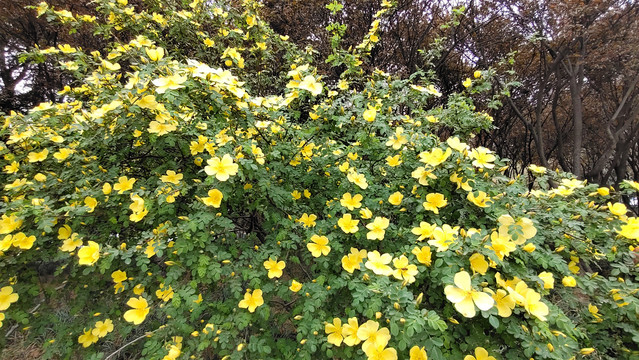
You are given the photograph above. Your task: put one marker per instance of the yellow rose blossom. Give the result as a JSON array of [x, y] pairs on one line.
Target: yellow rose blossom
[[480, 354], [396, 198], [482, 199], [222, 168], [443, 237], [274, 267], [357, 179], [307, 220], [318, 246], [425, 230], [372, 336], [295, 286], [569, 281], [89, 254], [478, 263], [548, 280], [417, 353], [7, 297], [213, 199], [435, 156], [435, 201], [404, 270], [252, 300], [102, 328], [349, 332], [378, 263], [348, 224], [423, 254], [465, 298], [377, 228], [87, 338], [617, 209], [171, 177], [334, 332], [351, 202], [124, 184], [138, 312]]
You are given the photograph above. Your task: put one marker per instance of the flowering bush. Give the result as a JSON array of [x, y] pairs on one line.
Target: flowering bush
[[220, 204]]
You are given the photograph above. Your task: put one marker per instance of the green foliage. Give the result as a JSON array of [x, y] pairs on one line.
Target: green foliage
[[237, 237]]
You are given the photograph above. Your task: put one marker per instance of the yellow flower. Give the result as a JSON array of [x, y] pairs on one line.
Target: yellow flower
[[71, 243], [12, 168], [348, 224], [351, 262], [569, 281], [9, 223], [252, 300], [477, 74], [102, 328], [372, 336], [296, 195], [161, 128], [434, 157], [504, 302], [467, 82], [295, 286], [38, 156], [89, 254], [22, 241], [166, 294], [140, 309], [434, 202], [617, 209], [586, 351], [378, 263], [87, 338], [404, 271], [530, 247], [534, 306], [381, 353], [548, 279], [425, 230], [539, 170], [501, 244], [62, 154], [334, 332], [222, 169], [417, 353], [465, 298], [169, 83], [308, 220], [422, 175], [370, 114], [394, 161], [7, 297], [171, 177], [349, 332], [318, 246], [423, 255], [395, 198], [274, 267], [480, 354], [138, 209], [311, 85], [443, 237], [478, 263], [214, 199], [351, 202], [631, 229], [106, 188], [482, 158], [366, 213], [118, 276], [147, 102], [124, 184], [377, 228], [481, 200], [91, 203], [155, 54], [397, 140], [357, 179]]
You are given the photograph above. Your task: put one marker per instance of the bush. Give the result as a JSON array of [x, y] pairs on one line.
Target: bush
[[193, 196]]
